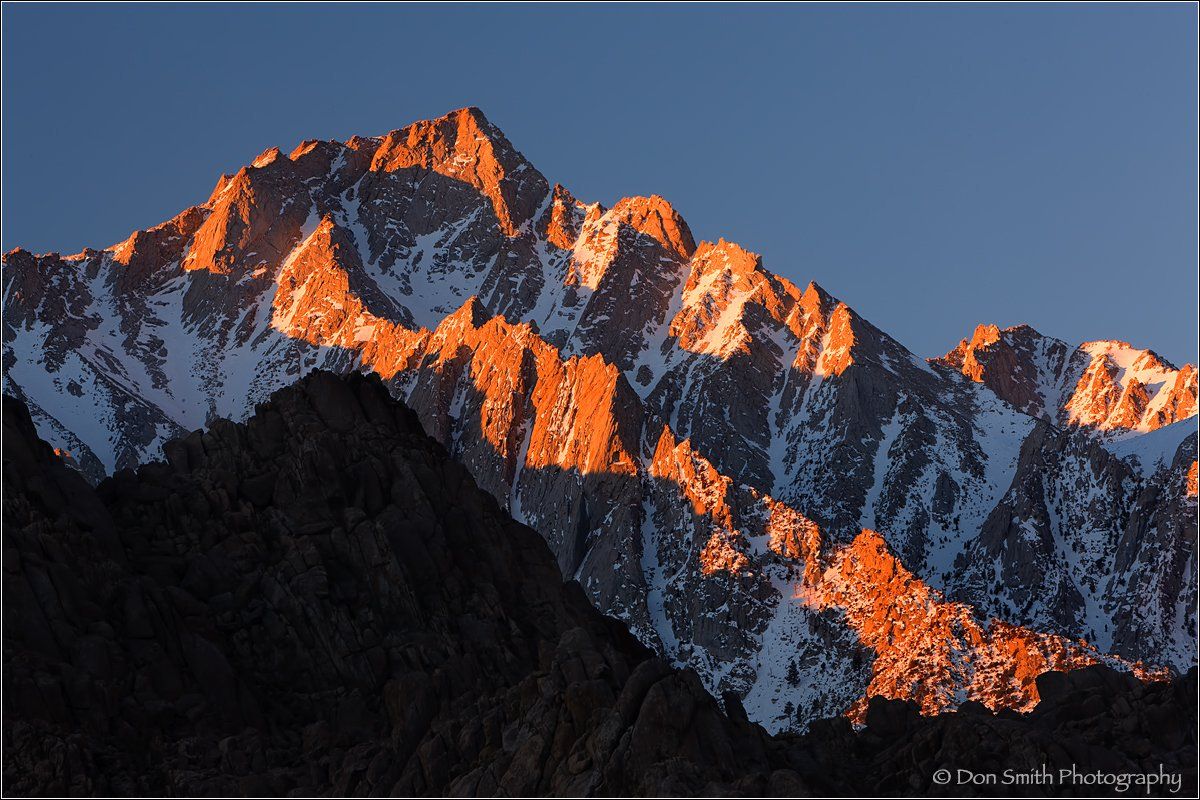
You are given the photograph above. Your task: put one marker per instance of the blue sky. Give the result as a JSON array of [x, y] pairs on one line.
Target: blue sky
[[933, 166]]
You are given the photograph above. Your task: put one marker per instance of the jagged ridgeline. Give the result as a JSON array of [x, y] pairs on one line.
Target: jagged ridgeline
[[757, 481], [320, 601]]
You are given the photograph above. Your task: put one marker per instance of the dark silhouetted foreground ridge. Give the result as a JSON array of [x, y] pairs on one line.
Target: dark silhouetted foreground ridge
[[321, 601]]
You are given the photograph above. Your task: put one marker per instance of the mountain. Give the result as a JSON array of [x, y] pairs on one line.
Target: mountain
[[701, 442], [320, 601], [1108, 387]]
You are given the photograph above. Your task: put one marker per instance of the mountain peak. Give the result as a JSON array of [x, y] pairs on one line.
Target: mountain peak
[[1126, 388], [657, 218], [1105, 385], [816, 297], [728, 256], [989, 334], [266, 157], [305, 146], [1105, 345], [985, 335], [454, 133], [1122, 352], [474, 113], [563, 220], [465, 146]]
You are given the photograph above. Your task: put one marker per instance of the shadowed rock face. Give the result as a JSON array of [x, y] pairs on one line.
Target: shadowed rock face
[[320, 601]]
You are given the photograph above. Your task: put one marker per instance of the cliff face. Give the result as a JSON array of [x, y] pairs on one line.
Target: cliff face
[[655, 408], [319, 601]]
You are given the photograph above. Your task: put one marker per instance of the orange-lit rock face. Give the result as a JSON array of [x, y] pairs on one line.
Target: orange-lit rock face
[[812, 322], [572, 410], [706, 491], [721, 554], [610, 244], [796, 538], [838, 353], [701, 484], [925, 649], [930, 651], [1105, 386], [596, 250], [656, 218], [463, 145], [315, 302], [966, 354], [145, 252], [564, 219], [1191, 480], [723, 279], [1130, 407], [1180, 402], [251, 222], [1128, 389], [583, 428], [1023, 367]]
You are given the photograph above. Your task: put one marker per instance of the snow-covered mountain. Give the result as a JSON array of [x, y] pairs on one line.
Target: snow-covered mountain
[[1110, 388], [762, 484]]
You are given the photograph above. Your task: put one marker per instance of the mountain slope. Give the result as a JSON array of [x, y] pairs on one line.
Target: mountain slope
[[318, 601], [577, 359]]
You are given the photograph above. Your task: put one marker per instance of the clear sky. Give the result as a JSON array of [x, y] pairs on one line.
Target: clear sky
[[933, 166]]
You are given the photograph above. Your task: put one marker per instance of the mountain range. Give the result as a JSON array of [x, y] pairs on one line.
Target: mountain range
[[758, 482]]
